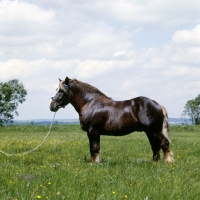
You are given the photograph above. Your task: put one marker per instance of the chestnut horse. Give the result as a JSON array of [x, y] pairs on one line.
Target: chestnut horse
[[101, 115]]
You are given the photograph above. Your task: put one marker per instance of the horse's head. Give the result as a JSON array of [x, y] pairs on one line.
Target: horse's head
[[61, 98]]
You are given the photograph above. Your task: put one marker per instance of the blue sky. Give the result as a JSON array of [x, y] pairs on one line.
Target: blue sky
[[126, 48]]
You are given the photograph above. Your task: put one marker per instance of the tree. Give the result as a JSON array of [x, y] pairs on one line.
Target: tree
[[11, 94], [192, 109]]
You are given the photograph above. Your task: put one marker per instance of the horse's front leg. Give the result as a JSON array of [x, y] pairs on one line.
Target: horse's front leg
[[94, 139]]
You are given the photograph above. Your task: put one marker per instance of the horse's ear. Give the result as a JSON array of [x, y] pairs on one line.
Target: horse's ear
[[59, 79], [66, 80]]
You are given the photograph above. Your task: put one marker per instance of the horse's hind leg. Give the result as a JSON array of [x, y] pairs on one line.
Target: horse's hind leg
[[155, 146], [158, 141], [168, 155]]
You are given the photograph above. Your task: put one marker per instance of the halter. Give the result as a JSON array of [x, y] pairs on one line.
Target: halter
[[60, 101]]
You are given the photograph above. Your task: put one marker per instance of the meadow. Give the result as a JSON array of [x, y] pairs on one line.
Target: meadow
[[60, 168]]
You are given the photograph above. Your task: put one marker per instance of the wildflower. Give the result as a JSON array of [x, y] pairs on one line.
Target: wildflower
[[49, 183], [126, 196], [113, 192], [39, 197], [58, 193]]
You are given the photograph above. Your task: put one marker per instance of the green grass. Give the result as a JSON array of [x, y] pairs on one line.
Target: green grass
[[60, 168]]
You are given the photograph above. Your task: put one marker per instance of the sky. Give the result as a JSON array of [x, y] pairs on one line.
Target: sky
[[125, 48]]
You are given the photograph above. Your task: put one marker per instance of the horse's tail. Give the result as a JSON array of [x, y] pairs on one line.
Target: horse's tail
[[168, 155], [165, 127]]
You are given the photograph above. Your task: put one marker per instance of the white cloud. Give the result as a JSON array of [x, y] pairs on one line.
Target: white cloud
[[134, 12], [187, 37], [17, 11], [119, 53], [95, 68], [23, 26]]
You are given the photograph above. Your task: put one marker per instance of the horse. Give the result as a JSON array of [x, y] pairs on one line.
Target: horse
[[101, 115]]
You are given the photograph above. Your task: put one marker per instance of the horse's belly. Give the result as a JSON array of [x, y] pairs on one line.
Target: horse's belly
[[116, 132], [121, 127]]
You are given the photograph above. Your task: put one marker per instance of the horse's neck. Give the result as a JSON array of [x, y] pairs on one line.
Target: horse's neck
[[79, 98]]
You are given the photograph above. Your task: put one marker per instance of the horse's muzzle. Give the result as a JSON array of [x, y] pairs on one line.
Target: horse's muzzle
[[52, 109], [53, 106]]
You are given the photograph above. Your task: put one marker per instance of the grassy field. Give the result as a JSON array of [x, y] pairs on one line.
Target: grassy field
[[60, 168]]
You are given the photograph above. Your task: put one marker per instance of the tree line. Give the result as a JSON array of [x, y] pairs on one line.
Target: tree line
[[192, 109], [11, 94]]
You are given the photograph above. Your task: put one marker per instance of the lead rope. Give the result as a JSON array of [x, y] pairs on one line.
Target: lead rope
[[27, 152]]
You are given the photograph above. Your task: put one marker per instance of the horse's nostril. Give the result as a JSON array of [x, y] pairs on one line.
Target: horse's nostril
[[52, 109]]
